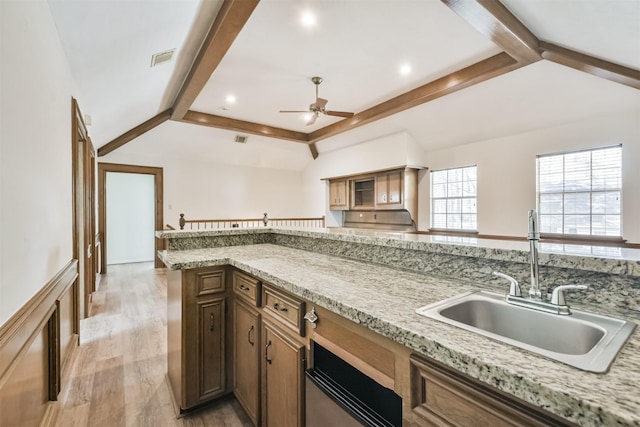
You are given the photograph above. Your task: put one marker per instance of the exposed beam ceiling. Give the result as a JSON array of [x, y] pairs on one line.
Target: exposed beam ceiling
[[135, 132], [230, 19], [490, 17], [588, 64]]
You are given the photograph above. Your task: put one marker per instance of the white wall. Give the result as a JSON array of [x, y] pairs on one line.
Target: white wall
[[507, 171], [131, 214], [390, 151], [35, 153], [217, 191]]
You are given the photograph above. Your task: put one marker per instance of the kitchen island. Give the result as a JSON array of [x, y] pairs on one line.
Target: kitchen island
[[378, 280]]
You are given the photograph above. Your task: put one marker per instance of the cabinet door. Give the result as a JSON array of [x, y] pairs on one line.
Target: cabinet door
[[282, 375], [212, 349], [389, 188], [246, 343], [394, 187], [338, 195]]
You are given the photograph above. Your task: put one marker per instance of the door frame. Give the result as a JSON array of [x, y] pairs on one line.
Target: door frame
[[83, 157], [103, 168]]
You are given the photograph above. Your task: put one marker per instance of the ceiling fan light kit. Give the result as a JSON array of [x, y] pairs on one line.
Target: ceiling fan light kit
[[318, 106]]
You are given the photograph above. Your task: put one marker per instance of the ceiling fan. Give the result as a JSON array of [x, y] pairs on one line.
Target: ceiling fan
[[317, 107]]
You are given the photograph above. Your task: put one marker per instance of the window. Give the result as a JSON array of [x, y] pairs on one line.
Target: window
[[453, 199], [579, 192]]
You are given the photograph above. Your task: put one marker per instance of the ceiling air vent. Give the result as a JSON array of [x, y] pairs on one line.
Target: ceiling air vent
[[159, 58], [241, 139]]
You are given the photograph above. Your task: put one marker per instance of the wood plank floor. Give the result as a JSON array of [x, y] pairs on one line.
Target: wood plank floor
[[117, 375]]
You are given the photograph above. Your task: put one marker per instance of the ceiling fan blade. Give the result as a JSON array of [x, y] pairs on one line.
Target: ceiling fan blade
[[294, 111], [320, 103], [313, 119], [339, 114]]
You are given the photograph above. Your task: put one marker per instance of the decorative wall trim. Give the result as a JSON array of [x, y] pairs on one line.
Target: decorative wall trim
[[39, 316]]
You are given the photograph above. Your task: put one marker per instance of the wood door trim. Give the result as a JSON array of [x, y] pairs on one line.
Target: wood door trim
[[103, 168], [231, 18], [132, 134]]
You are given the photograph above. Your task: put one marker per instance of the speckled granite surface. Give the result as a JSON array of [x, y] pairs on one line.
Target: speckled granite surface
[[384, 300], [613, 274]]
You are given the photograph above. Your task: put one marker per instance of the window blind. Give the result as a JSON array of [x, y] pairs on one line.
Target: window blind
[[579, 192], [454, 199]]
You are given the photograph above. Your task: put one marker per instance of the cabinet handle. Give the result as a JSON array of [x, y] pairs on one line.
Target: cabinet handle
[[211, 322], [249, 336], [266, 355], [384, 197], [277, 307], [244, 288]]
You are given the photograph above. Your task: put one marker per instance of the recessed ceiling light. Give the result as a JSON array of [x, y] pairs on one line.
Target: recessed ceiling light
[[308, 19], [231, 99], [405, 69]]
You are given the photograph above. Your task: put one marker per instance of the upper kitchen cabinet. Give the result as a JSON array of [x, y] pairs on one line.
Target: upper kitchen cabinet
[[338, 195], [389, 190]]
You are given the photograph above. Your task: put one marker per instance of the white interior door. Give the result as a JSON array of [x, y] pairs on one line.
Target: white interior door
[[130, 216]]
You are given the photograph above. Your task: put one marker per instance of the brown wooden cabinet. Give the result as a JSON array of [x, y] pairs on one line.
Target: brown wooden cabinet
[[282, 378], [389, 189], [196, 333], [441, 396], [246, 355], [338, 195]]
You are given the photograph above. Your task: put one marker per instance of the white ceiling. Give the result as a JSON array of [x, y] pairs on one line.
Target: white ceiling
[[357, 49]]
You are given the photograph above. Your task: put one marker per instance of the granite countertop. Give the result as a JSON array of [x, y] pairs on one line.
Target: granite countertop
[[384, 300], [603, 259]]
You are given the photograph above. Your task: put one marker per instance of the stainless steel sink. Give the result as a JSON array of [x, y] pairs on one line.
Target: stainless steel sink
[[584, 340]]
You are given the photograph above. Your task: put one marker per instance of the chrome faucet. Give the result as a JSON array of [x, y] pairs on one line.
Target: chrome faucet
[[534, 237], [535, 300]]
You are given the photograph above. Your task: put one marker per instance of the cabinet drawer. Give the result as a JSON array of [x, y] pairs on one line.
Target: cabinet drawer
[[284, 307], [247, 287], [209, 281]]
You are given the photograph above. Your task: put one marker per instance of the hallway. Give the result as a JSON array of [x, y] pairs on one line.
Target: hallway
[[117, 377]]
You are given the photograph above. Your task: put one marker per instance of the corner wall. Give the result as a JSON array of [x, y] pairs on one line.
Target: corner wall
[[204, 190], [35, 153], [507, 171]]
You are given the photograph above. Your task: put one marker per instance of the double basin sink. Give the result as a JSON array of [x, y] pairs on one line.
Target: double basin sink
[[584, 340]]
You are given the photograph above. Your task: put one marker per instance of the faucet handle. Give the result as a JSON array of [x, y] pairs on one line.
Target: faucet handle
[[557, 296], [514, 288]]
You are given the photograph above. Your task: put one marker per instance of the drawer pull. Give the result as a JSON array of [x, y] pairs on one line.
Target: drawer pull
[[211, 322], [277, 307], [244, 288], [249, 336], [266, 355]]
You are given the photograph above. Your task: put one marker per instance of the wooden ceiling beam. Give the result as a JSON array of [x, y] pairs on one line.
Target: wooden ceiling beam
[[135, 132], [233, 15], [314, 150], [211, 120], [484, 70], [589, 64], [495, 21]]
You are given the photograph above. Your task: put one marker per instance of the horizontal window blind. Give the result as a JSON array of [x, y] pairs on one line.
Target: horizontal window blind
[[579, 193], [454, 199]]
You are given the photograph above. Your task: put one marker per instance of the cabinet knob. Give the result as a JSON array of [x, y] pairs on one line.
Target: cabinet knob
[[266, 353], [279, 308]]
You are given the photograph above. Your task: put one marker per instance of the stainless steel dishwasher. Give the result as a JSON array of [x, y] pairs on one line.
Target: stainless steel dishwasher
[[339, 395]]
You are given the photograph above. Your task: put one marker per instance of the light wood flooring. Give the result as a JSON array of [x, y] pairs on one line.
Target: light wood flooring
[[117, 375]]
